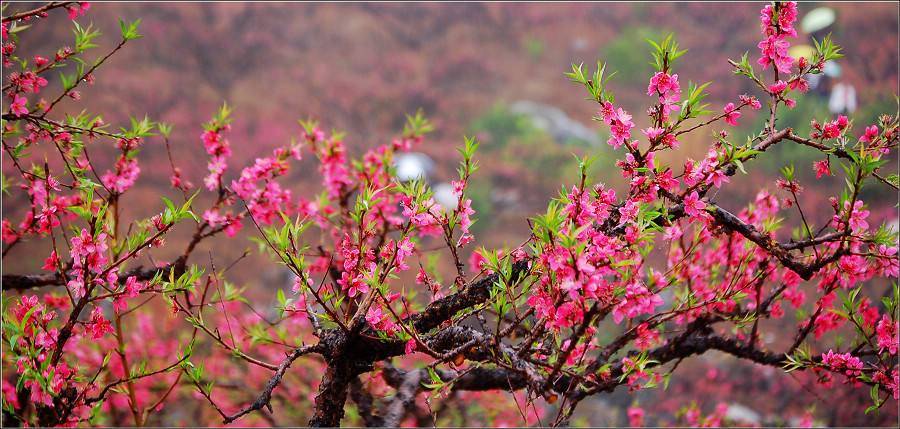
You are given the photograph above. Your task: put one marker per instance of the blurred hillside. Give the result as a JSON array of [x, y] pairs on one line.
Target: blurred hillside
[[361, 67]]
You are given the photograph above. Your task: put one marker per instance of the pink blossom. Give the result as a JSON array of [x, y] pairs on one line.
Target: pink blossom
[[646, 337], [98, 326], [870, 135], [667, 181], [477, 262], [619, 122], [178, 181], [628, 212], [17, 107], [693, 205], [353, 284], [717, 178], [887, 331], [667, 88], [298, 284], [887, 261], [672, 233], [52, 262], [78, 9], [458, 187], [380, 320], [405, 248], [89, 250], [751, 101], [845, 363], [822, 168], [857, 217], [653, 133], [635, 416], [891, 382], [38, 394], [662, 83], [777, 87], [774, 50], [637, 300], [7, 232], [132, 288], [123, 178], [731, 115], [799, 84], [7, 388], [567, 315], [47, 339]]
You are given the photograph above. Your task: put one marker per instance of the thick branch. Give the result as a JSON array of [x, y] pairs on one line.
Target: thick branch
[[405, 397], [365, 404], [475, 293], [23, 282], [475, 379]]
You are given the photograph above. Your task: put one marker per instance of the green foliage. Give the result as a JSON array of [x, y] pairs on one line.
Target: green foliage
[[84, 37], [665, 53], [594, 83], [129, 31], [173, 214], [164, 129], [184, 282], [744, 68], [691, 107], [547, 225], [286, 241], [222, 118], [139, 128], [826, 50], [788, 172], [417, 125]]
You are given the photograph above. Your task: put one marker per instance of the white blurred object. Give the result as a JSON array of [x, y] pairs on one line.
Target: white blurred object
[[579, 44], [832, 69], [411, 166], [555, 122], [817, 19], [813, 80], [742, 414], [445, 197], [843, 99]]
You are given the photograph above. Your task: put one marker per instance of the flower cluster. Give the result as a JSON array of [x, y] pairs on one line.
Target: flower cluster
[[777, 24], [619, 122], [668, 90], [218, 148], [845, 363], [88, 253], [887, 332]]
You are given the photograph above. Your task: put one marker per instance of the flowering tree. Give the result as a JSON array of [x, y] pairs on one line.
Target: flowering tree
[[579, 308]]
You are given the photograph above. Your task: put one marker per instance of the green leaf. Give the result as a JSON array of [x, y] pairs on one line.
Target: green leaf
[[129, 31]]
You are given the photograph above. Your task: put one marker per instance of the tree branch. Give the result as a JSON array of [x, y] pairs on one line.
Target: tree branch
[[264, 398]]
